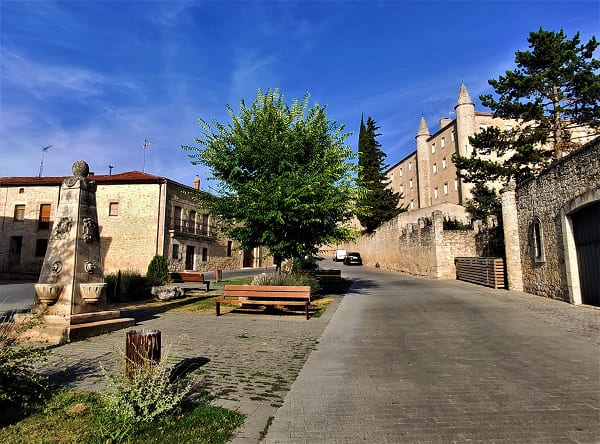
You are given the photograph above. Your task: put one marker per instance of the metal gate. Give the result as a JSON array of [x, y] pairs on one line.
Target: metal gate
[[586, 230]]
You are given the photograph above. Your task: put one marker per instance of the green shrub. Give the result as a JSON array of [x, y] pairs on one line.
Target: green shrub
[[303, 263], [20, 386], [144, 394], [158, 271], [285, 279], [127, 286]]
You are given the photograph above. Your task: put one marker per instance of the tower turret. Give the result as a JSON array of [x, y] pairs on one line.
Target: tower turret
[[423, 164], [465, 127]]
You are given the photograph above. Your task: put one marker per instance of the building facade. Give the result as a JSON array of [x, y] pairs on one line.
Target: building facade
[[139, 215], [552, 226], [427, 176]]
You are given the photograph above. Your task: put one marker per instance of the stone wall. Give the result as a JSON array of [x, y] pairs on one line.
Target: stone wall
[[422, 248], [571, 183]]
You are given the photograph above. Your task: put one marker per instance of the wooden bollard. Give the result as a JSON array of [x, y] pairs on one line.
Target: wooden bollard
[[142, 351], [218, 275]]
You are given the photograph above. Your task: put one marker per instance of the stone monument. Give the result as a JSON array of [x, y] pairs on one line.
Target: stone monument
[[70, 295]]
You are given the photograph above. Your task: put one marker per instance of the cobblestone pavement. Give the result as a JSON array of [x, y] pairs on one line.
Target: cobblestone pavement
[[411, 360], [248, 362]]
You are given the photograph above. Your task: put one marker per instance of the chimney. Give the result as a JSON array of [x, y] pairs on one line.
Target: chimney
[[196, 183], [444, 121]]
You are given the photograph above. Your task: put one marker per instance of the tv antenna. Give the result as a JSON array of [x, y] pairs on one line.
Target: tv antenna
[[110, 167], [44, 149], [145, 147]]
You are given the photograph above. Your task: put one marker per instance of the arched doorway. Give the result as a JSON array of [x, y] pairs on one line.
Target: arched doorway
[[586, 234]]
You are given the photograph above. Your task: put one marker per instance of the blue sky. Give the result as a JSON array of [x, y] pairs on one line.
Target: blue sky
[[94, 79]]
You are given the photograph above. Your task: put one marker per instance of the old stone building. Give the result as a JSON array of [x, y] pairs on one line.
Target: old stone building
[[427, 176], [139, 215], [552, 230]]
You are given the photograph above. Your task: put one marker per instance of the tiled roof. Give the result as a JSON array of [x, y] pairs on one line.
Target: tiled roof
[[127, 177]]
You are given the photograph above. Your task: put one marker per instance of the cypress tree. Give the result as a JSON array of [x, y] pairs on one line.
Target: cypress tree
[[377, 203]]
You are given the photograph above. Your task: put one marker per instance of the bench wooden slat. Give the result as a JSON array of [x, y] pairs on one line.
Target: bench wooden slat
[[258, 302]]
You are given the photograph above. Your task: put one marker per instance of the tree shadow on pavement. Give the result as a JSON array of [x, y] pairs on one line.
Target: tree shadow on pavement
[[187, 366], [359, 284]]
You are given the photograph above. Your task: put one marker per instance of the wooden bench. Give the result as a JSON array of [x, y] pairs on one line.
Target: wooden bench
[[265, 295], [197, 278]]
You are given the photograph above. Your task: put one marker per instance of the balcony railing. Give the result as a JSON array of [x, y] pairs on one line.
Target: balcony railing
[[198, 229]]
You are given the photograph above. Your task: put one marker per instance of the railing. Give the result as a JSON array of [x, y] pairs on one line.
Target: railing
[[487, 271], [199, 229], [44, 223]]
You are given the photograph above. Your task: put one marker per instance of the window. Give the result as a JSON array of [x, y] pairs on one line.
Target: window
[[40, 247], [205, 223], [482, 127], [452, 136], [400, 172], [410, 183], [435, 193], [401, 188], [21, 190], [455, 184], [229, 248], [177, 217], [435, 168], [392, 177], [446, 188], [433, 148], [175, 253], [113, 209], [19, 212], [192, 226], [44, 220], [409, 166], [443, 142], [444, 163], [204, 254], [537, 240], [412, 204]]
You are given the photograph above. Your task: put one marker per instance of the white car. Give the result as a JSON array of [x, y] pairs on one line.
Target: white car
[[339, 255]]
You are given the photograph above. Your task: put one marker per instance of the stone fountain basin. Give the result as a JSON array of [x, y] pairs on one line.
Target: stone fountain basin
[[91, 292], [48, 293]]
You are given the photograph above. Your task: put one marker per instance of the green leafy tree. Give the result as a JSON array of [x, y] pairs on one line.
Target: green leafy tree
[[485, 203], [554, 88], [285, 180], [377, 203]]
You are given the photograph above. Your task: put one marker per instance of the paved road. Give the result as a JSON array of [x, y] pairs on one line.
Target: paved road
[[412, 360]]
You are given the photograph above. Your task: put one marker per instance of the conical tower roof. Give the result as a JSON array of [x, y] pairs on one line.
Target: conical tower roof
[[463, 96], [423, 130]]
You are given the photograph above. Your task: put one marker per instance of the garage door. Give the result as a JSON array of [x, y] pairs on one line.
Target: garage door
[[586, 229]]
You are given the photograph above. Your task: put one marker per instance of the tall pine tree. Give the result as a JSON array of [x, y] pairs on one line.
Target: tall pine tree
[[554, 89], [377, 203]]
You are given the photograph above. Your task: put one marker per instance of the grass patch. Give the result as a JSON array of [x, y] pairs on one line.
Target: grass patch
[[320, 305], [80, 417]]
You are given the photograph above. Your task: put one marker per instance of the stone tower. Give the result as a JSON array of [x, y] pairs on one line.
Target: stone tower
[[423, 164], [465, 127]]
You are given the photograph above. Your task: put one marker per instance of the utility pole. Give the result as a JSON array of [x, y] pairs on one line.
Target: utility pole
[[44, 149], [145, 147]]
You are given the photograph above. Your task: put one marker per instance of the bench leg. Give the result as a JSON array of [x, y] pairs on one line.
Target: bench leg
[[306, 308], [207, 286], [218, 306]]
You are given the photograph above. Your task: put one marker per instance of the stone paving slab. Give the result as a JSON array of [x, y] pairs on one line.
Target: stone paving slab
[[246, 362]]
